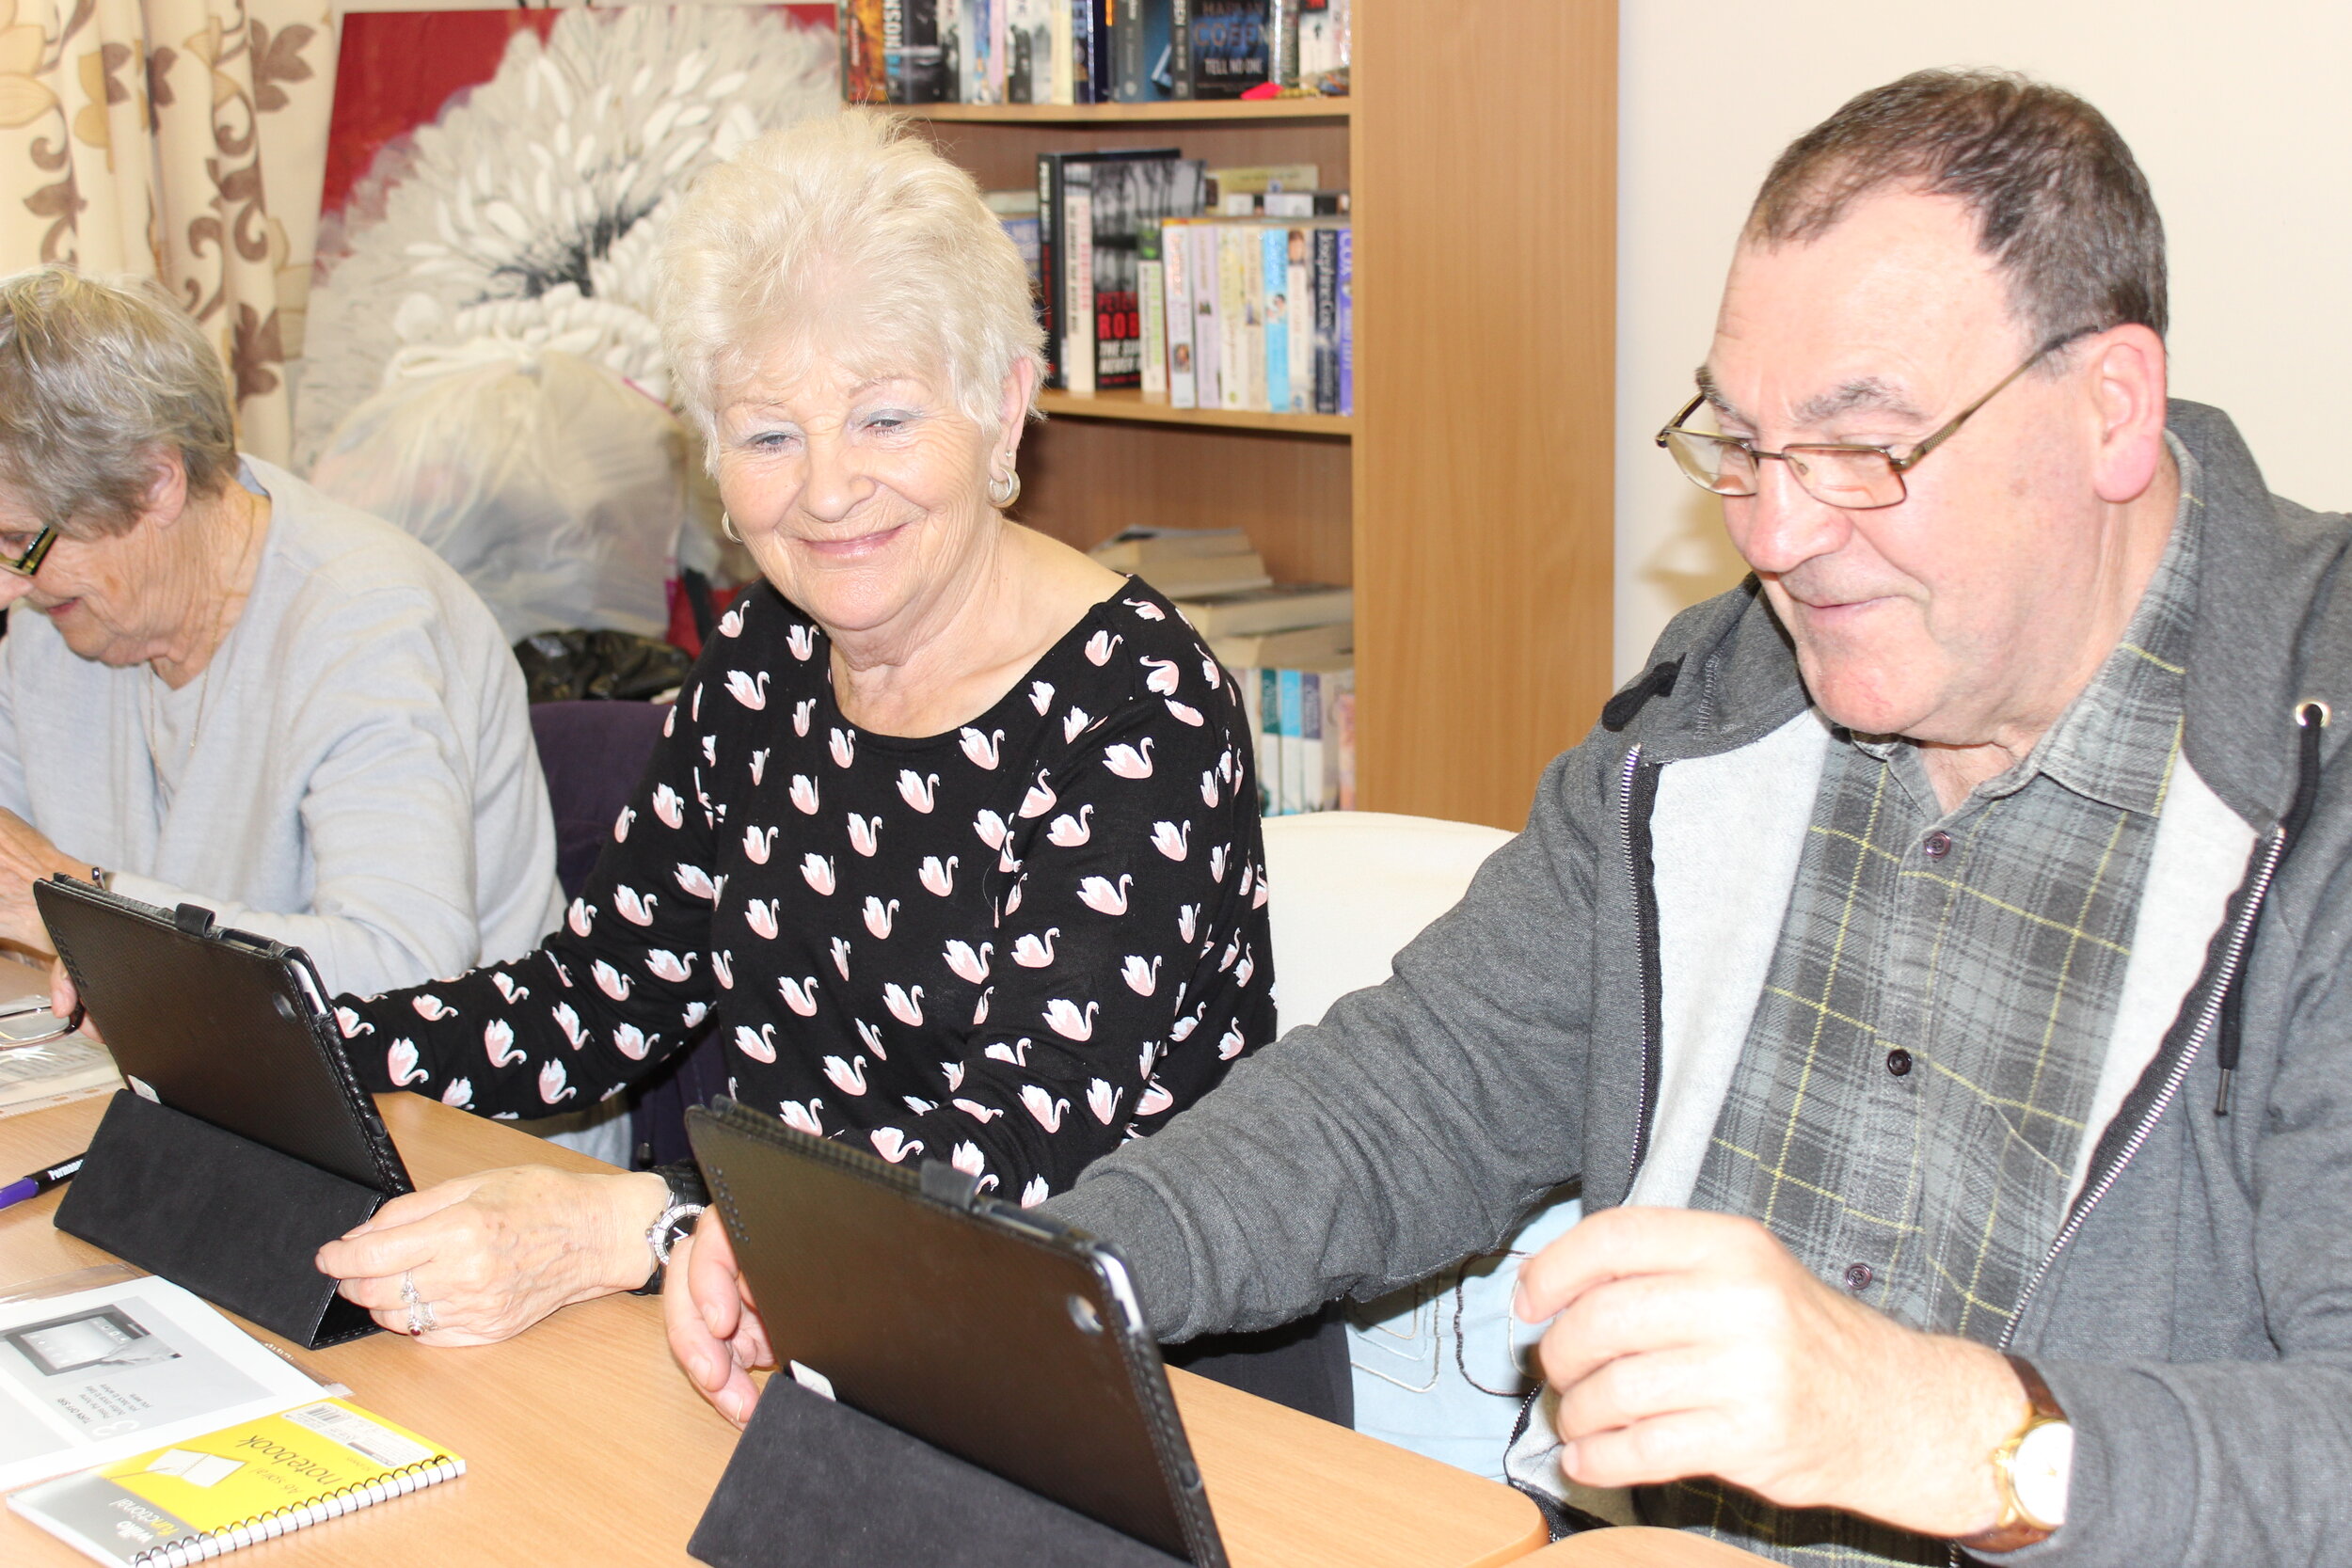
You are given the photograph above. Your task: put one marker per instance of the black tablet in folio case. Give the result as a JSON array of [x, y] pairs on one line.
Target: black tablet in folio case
[[242, 1143], [964, 1384]]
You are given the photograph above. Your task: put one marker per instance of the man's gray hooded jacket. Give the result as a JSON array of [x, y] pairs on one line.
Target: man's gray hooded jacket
[[1575, 1017]]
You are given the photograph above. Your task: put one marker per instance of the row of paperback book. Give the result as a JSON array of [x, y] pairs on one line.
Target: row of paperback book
[[1304, 722], [1139, 286], [1090, 51]]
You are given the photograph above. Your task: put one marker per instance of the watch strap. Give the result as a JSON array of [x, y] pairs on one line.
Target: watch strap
[[2014, 1530]]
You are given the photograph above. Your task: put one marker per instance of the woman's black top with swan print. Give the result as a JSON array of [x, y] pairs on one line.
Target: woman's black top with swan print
[[1010, 947]]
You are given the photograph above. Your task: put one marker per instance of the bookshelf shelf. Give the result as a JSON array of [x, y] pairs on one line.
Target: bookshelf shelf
[[1167, 112], [1134, 407], [1469, 499]]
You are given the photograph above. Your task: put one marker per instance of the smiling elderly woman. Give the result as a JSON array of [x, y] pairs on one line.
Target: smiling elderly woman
[[952, 837]]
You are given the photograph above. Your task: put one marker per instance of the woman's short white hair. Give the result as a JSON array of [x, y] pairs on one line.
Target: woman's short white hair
[[851, 237], [98, 376]]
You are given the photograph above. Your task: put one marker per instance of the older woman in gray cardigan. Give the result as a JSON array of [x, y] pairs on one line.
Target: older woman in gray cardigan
[[221, 687]]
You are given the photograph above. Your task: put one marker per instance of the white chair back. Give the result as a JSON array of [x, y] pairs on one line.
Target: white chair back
[[1350, 888]]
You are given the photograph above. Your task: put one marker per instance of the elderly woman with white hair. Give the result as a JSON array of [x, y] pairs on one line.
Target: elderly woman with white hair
[[952, 839], [219, 687]]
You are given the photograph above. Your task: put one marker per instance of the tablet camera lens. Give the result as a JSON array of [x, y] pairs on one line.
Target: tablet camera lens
[[1082, 1312]]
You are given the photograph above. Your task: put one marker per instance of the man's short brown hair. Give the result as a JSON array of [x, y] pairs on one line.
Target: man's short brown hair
[[2061, 203]]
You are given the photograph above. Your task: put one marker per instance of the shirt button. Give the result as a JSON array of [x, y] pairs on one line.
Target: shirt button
[[1937, 844], [1899, 1061], [1858, 1276]]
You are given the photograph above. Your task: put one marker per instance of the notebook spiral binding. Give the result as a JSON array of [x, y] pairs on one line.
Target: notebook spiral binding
[[285, 1521]]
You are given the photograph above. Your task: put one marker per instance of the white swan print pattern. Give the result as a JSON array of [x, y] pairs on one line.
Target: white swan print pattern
[[1014, 944]]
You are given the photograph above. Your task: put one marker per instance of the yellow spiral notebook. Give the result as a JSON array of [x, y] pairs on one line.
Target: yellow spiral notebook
[[231, 1488]]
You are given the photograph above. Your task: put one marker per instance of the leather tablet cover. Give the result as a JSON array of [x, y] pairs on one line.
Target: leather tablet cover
[[253, 1145], [219, 1026], [988, 1333]]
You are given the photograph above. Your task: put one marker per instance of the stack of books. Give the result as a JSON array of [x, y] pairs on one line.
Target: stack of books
[[1090, 51], [1187, 564], [1140, 287]]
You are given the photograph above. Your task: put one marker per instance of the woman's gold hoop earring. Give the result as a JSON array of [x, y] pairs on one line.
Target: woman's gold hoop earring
[[1002, 490], [727, 526]]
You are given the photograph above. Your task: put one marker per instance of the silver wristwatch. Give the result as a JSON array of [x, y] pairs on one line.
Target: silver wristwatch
[[675, 1221]]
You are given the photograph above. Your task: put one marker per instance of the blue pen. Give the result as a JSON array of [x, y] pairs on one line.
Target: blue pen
[[38, 1182]]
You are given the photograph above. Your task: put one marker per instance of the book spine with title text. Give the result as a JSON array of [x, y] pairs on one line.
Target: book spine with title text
[[1208, 328], [1301, 271], [1128, 65], [1152, 308], [865, 74], [1234, 243], [1347, 321], [1176, 272], [1274, 310], [1075, 234], [1180, 48], [1049, 262]]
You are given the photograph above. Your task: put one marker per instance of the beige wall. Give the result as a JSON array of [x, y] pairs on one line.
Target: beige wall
[[2239, 114]]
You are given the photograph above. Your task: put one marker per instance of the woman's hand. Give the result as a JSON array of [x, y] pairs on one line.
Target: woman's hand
[[715, 1331], [491, 1254], [27, 858]]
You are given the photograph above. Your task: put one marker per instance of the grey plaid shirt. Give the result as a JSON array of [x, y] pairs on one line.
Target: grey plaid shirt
[[1910, 1105]]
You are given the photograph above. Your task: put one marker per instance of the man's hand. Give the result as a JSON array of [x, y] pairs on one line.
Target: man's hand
[[27, 858], [1689, 1344], [715, 1332], [496, 1252]]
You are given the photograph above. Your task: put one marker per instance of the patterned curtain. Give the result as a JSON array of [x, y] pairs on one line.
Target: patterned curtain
[[183, 140]]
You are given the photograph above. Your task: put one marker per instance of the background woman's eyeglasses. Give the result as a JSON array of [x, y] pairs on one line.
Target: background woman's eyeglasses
[[23, 553], [1848, 477]]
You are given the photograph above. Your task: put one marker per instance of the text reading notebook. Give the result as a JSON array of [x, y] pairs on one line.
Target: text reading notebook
[[231, 1488]]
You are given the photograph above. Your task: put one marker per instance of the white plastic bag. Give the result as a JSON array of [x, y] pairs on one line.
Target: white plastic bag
[[554, 487]]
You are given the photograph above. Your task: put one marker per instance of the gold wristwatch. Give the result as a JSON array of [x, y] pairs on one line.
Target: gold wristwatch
[[2033, 1469]]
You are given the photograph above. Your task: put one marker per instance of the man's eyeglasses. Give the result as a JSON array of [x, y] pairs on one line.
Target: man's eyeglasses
[[23, 553], [1848, 477]]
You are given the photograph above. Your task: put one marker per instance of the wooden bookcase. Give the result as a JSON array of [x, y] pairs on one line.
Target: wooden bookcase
[[1469, 499]]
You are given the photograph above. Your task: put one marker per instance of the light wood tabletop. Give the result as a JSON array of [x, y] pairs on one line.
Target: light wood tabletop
[[583, 1444], [1640, 1547]]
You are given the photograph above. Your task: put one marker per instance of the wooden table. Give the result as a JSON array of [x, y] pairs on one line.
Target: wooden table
[[584, 1444]]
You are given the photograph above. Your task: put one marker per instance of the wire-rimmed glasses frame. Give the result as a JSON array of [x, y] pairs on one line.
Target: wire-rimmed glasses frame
[[33, 1007], [1849, 476]]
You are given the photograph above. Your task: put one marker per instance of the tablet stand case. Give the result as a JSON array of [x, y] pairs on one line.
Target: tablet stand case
[[237, 1223], [266, 1150], [814, 1483]]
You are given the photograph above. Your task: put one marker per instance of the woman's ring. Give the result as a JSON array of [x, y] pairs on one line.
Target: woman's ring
[[420, 1312]]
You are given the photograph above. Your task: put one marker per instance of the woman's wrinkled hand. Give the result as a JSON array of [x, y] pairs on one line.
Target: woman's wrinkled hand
[[491, 1254], [715, 1332], [27, 858]]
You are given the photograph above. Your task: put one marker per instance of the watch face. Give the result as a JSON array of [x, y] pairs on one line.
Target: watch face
[[2040, 1474]]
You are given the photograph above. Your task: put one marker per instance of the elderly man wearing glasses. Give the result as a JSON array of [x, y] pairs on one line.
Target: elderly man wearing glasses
[[219, 687], [1936, 968]]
